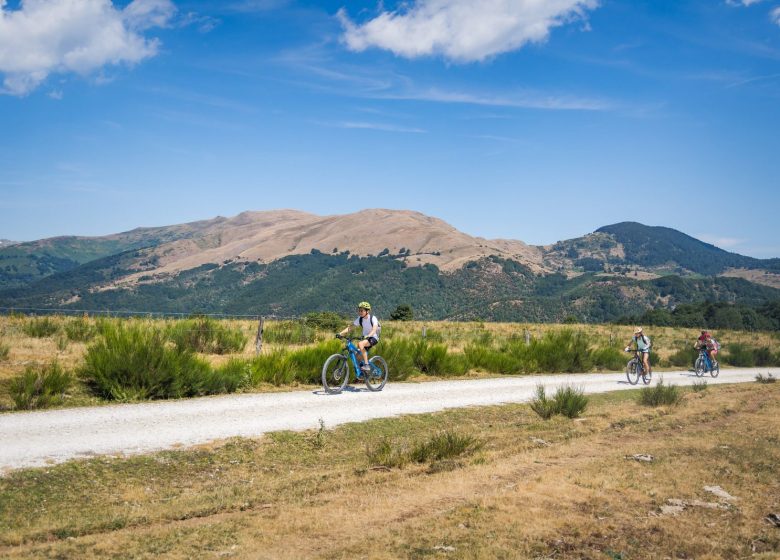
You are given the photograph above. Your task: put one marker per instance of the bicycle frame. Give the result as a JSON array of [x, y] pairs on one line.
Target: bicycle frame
[[354, 352], [703, 354]]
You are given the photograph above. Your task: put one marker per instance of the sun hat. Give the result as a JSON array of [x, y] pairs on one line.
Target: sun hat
[[638, 330]]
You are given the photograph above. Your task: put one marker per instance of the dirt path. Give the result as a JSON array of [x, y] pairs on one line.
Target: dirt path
[[30, 439]]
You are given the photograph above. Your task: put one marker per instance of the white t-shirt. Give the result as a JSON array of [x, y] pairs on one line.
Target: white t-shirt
[[368, 323]]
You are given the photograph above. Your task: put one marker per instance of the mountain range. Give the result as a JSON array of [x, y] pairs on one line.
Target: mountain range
[[287, 262]]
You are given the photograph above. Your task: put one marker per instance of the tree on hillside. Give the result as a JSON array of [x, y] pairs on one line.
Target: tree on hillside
[[402, 313]]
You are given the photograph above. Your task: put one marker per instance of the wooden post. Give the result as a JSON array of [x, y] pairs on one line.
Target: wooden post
[[423, 331], [527, 337], [259, 337]]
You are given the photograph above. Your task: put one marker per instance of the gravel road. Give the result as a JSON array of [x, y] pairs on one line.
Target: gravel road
[[31, 439]]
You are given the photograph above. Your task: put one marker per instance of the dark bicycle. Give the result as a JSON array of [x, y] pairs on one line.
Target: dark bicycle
[[335, 371], [636, 369]]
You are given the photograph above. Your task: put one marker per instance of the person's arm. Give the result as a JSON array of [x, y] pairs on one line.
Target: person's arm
[[345, 331], [373, 327]]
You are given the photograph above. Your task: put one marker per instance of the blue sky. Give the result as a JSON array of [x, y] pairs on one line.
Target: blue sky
[[520, 119]]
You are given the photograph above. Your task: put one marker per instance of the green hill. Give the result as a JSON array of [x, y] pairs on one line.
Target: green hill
[[654, 246]]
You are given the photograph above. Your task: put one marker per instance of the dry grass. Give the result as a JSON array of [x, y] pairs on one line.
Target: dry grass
[[536, 489], [24, 350]]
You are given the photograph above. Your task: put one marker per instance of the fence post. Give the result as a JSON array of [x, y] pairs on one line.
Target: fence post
[[527, 337], [423, 331], [259, 337]]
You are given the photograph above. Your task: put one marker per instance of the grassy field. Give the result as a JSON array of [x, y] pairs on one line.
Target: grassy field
[[518, 487], [292, 352]]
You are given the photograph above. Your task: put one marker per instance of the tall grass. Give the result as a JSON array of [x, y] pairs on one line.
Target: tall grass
[[80, 330], [660, 395], [207, 336], [445, 445], [40, 386], [289, 332], [131, 361], [41, 327], [5, 350], [568, 401]]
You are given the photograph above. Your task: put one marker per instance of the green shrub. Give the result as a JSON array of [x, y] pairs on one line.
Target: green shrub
[[386, 454], [445, 445], [684, 357], [40, 386], [570, 401], [289, 332], [132, 361], [306, 363], [760, 378], [609, 358], [325, 321], [699, 386], [541, 405], [738, 355], [660, 395], [435, 359], [5, 350], [207, 336], [80, 330], [398, 353], [272, 367], [41, 327], [762, 357]]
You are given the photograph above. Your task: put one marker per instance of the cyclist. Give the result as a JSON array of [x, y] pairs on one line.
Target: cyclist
[[643, 345], [371, 330], [706, 341]]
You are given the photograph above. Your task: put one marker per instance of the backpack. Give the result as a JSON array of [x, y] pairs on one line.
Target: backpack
[[647, 341], [378, 326], [715, 344]]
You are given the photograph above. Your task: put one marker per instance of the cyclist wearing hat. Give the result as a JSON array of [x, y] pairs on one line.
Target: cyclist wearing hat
[[371, 330], [642, 346], [706, 341]]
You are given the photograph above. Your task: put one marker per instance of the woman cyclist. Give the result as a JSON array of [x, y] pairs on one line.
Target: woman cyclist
[[642, 346]]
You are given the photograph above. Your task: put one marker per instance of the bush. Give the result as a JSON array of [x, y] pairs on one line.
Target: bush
[[739, 355], [609, 358], [446, 445], [768, 379], [289, 332], [207, 336], [41, 327], [40, 386], [132, 361], [570, 401], [325, 320], [660, 395], [699, 386], [386, 454], [402, 313], [80, 330], [541, 405], [684, 357]]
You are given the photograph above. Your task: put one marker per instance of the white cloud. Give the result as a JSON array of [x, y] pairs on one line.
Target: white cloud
[[60, 36], [742, 2], [774, 15], [463, 30]]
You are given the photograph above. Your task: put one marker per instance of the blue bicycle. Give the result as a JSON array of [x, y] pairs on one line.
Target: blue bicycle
[[703, 364], [335, 371]]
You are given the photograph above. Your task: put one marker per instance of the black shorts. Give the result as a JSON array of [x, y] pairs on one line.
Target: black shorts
[[371, 342]]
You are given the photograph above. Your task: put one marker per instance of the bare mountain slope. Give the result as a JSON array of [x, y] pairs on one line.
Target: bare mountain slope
[[270, 235]]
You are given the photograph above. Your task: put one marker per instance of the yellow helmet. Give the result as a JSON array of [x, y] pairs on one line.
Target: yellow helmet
[[364, 305]]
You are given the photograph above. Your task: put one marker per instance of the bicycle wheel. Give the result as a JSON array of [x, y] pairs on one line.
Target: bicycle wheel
[[715, 370], [335, 373], [377, 378], [647, 376], [699, 366], [632, 371]]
